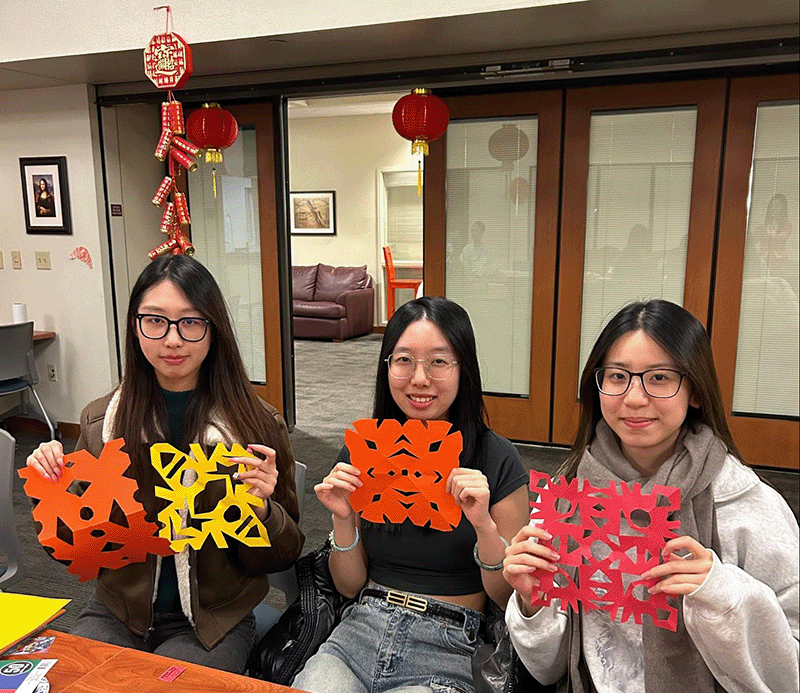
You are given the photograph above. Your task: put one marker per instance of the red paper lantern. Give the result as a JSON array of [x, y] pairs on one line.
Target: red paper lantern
[[420, 117], [508, 144], [212, 128]]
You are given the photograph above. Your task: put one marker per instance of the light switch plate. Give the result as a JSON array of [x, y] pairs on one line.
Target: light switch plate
[[1, 259], [43, 260], [16, 259]]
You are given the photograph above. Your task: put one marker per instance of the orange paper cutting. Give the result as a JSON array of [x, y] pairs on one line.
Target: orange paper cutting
[[232, 516], [405, 468], [89, 517]]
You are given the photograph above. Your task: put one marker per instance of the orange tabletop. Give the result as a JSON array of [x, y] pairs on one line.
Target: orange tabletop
[[39, 335], [88, 666]]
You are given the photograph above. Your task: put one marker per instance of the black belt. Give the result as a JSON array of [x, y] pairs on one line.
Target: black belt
[[417, 603]]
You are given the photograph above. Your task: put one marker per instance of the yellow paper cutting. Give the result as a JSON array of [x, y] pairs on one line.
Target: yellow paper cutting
[[232, 516]]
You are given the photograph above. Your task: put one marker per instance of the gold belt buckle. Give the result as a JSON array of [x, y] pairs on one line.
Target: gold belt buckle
[[409, 601]]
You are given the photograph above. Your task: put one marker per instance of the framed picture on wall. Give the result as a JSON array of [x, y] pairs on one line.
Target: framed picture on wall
[[313, 213], [45, 194]]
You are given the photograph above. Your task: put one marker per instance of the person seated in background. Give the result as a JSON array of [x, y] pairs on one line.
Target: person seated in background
[[652, 414], [185, 382], [427, 370]]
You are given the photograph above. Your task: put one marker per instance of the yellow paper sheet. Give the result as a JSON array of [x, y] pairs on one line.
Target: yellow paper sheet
[[24, 614]]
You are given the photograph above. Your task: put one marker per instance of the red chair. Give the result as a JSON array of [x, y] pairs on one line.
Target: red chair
[[393, 283]]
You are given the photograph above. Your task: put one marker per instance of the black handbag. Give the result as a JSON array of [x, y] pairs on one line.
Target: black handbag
[[496, 667], [304, 625]]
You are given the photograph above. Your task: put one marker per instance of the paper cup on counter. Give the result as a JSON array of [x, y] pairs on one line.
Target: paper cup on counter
[[19, 312]]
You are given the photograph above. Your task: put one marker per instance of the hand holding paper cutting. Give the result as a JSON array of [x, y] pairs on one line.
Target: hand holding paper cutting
[[470, 489], [262, 475], [681, 574], [335, 489]]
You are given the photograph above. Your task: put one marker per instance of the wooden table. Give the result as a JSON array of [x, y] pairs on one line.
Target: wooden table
[[89, 666], [40, 335]]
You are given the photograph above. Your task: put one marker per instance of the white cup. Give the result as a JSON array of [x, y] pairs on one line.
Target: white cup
[[19, 312]]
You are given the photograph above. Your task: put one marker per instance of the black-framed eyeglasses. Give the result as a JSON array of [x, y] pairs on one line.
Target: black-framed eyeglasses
[[402, 366], [157, 327], [656, 382]]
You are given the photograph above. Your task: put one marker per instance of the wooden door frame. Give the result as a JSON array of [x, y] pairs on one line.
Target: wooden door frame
[[764, 441], [521, 418], [261, 117], [709, 98]]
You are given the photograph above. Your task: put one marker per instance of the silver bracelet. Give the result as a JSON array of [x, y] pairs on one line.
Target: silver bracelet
[[343, 548], [484, 566]]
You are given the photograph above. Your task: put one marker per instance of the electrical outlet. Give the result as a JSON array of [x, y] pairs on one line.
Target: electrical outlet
[[43, 259], [16, 259], [51, 372]]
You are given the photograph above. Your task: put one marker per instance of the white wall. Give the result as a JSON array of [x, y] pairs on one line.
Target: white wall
[[70, 299], [343, 154], [74, 27]]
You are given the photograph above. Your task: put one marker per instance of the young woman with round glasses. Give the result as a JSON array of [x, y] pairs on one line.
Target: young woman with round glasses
[[185, 382], [422, 591], [652, 413]]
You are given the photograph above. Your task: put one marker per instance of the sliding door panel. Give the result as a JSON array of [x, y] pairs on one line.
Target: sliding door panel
[[641, 166], [755, 331]]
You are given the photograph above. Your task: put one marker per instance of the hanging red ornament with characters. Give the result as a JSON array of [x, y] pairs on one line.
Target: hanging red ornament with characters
[[420, 117]]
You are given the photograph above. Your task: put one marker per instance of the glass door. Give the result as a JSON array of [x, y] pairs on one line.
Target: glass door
[[641, 170], [236, 235], [491, 207], [755, 331]]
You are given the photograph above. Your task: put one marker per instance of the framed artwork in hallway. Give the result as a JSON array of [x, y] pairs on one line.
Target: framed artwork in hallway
[[313, 213]]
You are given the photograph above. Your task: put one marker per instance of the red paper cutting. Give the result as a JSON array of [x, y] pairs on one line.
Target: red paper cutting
[[77, 524], [405, 468], [579, 515]]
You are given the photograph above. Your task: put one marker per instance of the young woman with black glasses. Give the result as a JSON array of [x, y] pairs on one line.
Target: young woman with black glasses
[[652, 414], [185, 382]]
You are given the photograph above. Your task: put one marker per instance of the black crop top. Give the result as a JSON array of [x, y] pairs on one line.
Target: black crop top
[[427, 561]]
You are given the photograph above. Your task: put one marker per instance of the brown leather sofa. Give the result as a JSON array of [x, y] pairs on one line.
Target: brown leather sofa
[[332, 302]]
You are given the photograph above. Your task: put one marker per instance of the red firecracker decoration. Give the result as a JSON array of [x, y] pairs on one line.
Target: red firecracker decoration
[[212, 128], [420, 117], [168, 63]]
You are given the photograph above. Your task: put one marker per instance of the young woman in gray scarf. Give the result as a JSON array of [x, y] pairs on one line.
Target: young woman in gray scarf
[[652, 413]]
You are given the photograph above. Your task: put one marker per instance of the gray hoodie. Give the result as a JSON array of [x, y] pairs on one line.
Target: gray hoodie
[[743, 618]]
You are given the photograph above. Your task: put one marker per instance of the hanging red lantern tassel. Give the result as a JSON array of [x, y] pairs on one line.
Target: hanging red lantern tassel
[[212, 128], [420, 117]]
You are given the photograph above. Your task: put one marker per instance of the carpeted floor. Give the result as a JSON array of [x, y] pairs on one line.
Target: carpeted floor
[[334, 387]]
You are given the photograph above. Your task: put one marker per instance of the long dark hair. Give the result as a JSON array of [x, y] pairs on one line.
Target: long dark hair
[[223, 389], [685, 339], [468, 411]]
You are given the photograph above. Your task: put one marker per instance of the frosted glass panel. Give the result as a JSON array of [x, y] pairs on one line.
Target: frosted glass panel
[[767, 354], [491, 184], [225, 233], [637, 212]]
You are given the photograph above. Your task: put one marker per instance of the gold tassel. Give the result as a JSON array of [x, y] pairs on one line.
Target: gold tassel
[[214, 179], [419, 178]]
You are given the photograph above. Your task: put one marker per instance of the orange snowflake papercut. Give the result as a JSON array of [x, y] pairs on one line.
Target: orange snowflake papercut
[[404, 469], [75, 513]]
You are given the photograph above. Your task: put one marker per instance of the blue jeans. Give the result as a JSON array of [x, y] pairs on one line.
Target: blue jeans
[[380, 647]]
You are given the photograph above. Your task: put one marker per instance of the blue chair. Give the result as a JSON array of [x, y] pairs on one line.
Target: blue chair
[[9, 541], [286, 581], [18, 370]]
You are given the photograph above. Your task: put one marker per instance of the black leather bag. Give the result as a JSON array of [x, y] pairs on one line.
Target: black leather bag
[[304, 626], [496, 667]]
